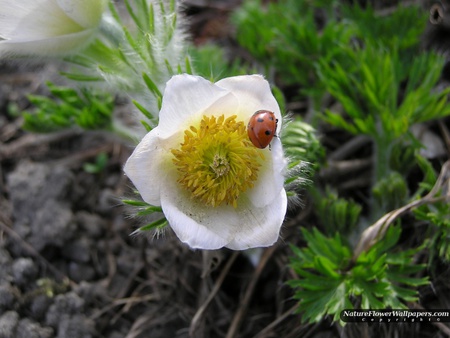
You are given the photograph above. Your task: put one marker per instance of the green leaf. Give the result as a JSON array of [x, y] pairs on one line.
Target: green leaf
[[379, 278], [151, 86], [144, 111], [156, 225], [67, 107], [100, 164]]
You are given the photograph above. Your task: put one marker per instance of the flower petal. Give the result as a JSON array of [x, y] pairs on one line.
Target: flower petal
[[87, 13], [260, 227], [203, 227], [185, 98], [60, 45], [253, 93], [196, 225], [146, 166], [32, 20], [271, 177]]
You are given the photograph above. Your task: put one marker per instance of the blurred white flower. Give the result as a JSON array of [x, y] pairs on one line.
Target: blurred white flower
[[47, 27], [215, 187]]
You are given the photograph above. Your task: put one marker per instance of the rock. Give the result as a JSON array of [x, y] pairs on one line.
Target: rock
[[39, 307], [79, 272], [7, 297], [5, 266], [77, 250], [65, 304], [8, 324], [91, 223], [31, 184], [106, 201], [24, 271], [77, 326], [93, 292], [53, 225], [38, 194], [28, 328]]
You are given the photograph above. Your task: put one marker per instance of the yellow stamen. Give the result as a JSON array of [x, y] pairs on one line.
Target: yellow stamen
[[217, 162]]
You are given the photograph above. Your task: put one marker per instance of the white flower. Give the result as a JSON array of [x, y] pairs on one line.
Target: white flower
[[215, 187], [47, 27]]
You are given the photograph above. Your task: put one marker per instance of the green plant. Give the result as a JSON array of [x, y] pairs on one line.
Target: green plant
[[293, 45], [337, 215], [156, 220], [408, 23], [330, 280], [368, 64], [211, 62], [86, 108], [137, 52], [101, 160], [374, 103]]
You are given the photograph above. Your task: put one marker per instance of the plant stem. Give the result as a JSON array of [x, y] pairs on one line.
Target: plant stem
[[381, 167]]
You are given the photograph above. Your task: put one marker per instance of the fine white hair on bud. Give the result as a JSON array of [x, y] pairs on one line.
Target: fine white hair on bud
[[214, 186]]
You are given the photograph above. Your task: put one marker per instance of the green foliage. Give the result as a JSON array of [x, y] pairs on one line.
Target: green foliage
[[437, 214], [391, 192], [292, 45], [400, 29], [369, 92], [300, 142], [383, 97], [86, 108], [330, 280], [98, 166], [303, 151], [337, 215], [295, 45], [210, 62], [403, 155], [138, 51], [429, 173], [381, 83], [144, 210]]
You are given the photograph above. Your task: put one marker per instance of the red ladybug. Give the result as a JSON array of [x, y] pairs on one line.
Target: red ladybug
[[262, 128]]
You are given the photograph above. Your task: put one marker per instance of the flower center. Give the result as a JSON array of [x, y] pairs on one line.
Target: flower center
[[217, 162]]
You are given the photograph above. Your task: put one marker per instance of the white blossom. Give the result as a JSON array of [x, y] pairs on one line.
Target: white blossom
[[215, 188], [47, 27]]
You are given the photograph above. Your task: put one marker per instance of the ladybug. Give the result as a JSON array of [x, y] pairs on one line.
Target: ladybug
[[262, 128]]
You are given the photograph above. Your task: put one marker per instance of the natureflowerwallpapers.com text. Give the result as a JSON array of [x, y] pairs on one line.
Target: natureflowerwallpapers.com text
[[395, 316]]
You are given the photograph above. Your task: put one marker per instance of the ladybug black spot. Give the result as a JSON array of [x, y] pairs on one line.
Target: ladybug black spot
[[260, 120], [267, 132]]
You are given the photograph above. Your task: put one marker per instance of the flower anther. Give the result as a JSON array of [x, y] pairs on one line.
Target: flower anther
[[217, 162]]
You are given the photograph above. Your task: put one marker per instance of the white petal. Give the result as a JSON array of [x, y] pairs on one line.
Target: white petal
[[260, 227], [253, 93], [11, 12], [271, 176], [86, 13], [146, 167], [26, 20], [185, 99], [204, 227], [61, 45], [195, 224]]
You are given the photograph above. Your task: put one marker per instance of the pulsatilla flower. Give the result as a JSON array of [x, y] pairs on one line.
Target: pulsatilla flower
[[47, 27], [215, 187]]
